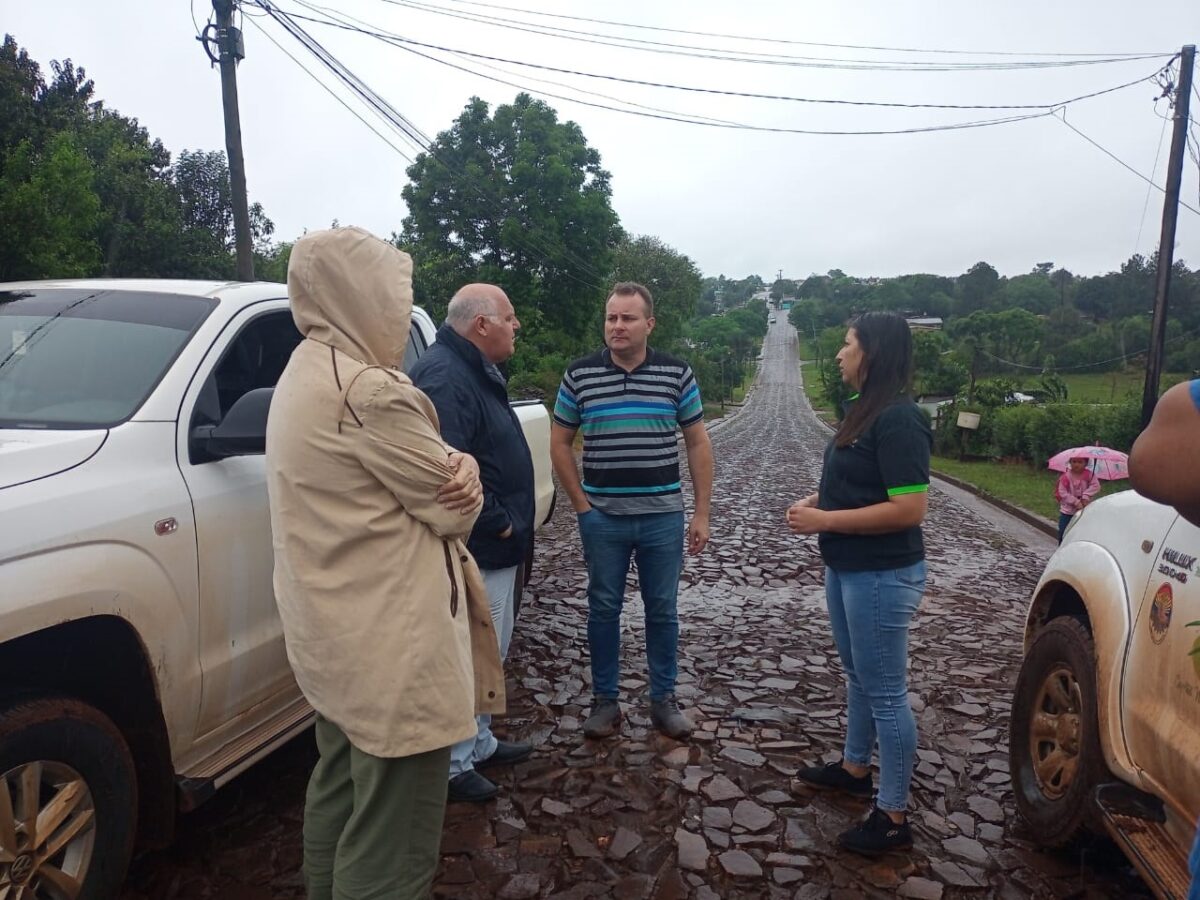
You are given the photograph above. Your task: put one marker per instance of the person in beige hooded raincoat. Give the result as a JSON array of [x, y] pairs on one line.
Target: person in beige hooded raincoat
[[386, 620]]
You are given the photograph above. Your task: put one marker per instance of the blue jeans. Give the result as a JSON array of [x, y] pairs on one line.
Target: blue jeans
[[870, 613], [1064, 519], [655, 542], [501, 587]]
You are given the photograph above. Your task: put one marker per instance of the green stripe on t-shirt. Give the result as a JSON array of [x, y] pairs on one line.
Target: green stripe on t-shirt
[[907, 489]]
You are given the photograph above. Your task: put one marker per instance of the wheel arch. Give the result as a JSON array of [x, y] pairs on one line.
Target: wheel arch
[[102, 661], [1084, 581]]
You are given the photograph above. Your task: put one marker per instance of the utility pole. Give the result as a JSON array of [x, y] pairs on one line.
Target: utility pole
[[229, 44], [1166, 243]]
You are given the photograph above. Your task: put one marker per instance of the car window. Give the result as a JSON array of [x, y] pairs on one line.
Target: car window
[[255, 359], [74, 358]]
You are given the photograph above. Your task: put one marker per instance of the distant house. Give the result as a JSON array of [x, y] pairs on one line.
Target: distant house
[[925, 323]]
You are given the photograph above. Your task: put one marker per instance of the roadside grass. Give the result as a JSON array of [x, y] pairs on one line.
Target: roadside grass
[[1107, 387], [1019, 484], [715, 411], [739, 390], [812, 390]]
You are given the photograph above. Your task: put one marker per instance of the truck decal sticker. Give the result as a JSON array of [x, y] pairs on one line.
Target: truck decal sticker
[[1160, 613]]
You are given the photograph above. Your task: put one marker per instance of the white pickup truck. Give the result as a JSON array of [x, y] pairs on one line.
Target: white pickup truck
[[1105, 730], [142, 661]]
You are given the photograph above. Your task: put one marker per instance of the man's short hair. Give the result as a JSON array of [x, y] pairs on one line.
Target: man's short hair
[[629, 289], [466, 305]]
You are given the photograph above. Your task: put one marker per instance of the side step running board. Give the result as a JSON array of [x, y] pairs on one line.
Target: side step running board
[[201, 782], [1134, 820]]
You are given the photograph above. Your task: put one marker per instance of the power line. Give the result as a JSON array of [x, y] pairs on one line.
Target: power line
[[408, 45], [413, 135], [373, 31], [331, 92], [818, 62], [346, 17], [588, 93], [403, 44], [782, 40], [1118, 160], [1150, 187]]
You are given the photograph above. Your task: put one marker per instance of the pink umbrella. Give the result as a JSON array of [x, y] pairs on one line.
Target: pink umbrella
[[1108, 464]]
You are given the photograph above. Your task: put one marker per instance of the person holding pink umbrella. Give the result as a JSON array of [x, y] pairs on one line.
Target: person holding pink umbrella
[[1075, 489]]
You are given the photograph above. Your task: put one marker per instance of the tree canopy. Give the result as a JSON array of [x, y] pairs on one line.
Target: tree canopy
[[85, 191], [517, 198]]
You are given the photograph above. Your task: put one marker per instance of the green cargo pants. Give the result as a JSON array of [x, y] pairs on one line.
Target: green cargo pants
[[372, 826]]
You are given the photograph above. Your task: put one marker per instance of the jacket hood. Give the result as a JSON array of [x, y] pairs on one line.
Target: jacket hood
[[352, 291]]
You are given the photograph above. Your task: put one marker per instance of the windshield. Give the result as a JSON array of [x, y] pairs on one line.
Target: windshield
[[73, 358]]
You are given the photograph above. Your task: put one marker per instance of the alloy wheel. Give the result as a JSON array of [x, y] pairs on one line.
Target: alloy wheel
[[47, 831], [1054, 732]]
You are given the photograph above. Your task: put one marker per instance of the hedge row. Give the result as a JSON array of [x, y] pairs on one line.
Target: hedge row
[[1035, 433]]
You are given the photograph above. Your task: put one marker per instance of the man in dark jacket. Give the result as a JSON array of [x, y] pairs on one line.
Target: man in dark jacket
[[459, 375]]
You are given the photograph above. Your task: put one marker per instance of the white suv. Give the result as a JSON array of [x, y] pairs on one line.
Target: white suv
[[142, 662], [1105, 729]]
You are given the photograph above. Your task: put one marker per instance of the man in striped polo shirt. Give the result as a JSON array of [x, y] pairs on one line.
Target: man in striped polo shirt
[[629, 400]]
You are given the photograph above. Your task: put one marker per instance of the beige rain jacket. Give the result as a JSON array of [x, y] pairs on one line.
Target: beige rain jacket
[[384, 612]]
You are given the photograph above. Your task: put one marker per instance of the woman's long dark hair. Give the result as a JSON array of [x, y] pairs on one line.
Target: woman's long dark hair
[[888, 359]]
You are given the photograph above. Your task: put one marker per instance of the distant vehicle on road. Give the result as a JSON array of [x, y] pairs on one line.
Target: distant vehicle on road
[[1105, 729], [142, 662], [770, 320]]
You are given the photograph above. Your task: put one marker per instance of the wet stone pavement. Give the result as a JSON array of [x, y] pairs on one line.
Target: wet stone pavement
[[642, 816]]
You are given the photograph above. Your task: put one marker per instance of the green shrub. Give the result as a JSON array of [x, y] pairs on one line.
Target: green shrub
[[1064, 425], [1010, 430], [1035, 433]]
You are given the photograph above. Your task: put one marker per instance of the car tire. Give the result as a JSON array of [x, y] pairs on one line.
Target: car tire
[[68, 762], [1055, 758]]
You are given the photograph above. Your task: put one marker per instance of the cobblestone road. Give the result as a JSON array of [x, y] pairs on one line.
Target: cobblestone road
[[646, 817]]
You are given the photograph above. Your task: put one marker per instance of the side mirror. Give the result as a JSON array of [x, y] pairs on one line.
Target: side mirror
[[243, 431]]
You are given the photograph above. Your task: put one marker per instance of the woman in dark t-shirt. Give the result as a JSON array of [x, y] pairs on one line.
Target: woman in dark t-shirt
[[867, 514]]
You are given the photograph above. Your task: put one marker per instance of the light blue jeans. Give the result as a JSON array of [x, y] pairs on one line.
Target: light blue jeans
[[655, 542], [501, 587], [870, 613]]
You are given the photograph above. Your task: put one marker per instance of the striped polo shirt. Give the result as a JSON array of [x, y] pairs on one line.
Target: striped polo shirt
[[629, 422]]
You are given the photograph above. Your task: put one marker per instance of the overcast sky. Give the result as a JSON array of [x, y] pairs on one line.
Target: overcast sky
[[737, 202]]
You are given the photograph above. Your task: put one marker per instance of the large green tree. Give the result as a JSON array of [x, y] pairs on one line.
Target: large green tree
[[86, 191], [518, 198], [202, 183], [976, 287], [48, 212]]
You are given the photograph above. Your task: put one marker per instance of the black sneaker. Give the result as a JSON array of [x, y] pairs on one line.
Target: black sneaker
[[876, 835], [506, 754], [832, 777], [470, 787]]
